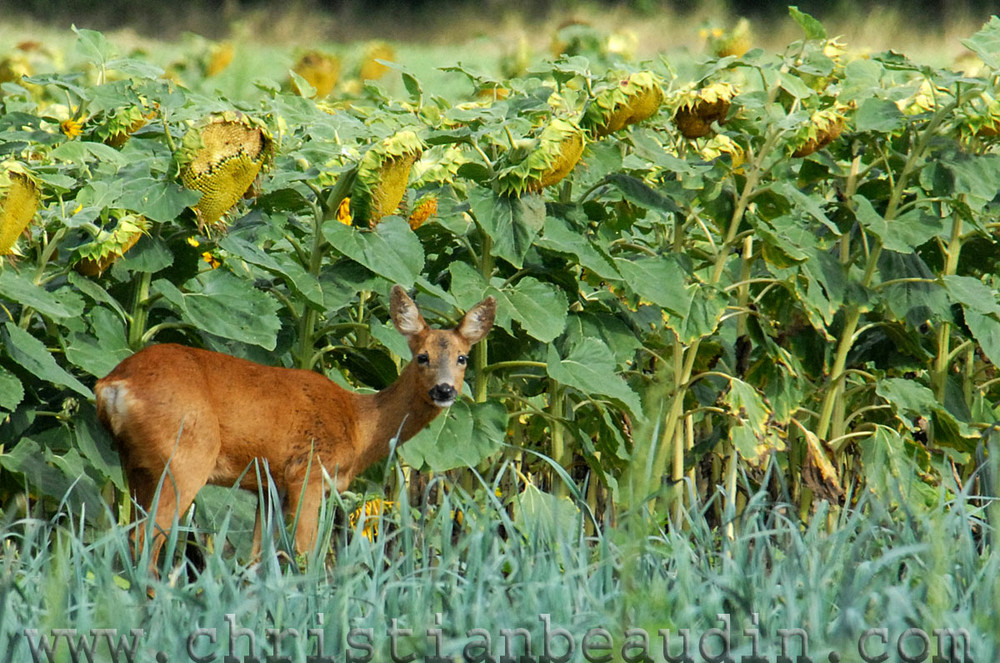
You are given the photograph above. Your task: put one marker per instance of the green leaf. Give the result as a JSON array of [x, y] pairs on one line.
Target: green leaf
[[61, 478], [590, 367], [809, 204], [79, 152], [879, 116], [11, 391], [746, 403], [279, 264], [707, 305], [986, 43], [155, 199], [795, 86], [219, 303], [512, 223], [468, 286], [986, 330], [149, 255], [387, 334], [463, 436], [903, 234], [392, 250], [813, 28], [303, 86], [31, 354], [890, 469], [93, 46], [639, 193], [539, 307], [657, 279], [19, 288], [95, 445], [135, 68], [558, 236], [619, 338], [976, 176], [99, 353], [910, 400], [973, 294]]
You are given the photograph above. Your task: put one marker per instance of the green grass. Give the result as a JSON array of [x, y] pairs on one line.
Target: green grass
[[872, 566]]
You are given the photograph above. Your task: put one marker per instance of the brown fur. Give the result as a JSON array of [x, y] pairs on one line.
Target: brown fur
[[205, 417]]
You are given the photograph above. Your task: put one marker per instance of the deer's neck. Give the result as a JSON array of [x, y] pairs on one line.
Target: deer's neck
[[401, 409]]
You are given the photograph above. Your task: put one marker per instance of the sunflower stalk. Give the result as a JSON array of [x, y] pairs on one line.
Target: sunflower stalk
[[833, 405], [686, 358]]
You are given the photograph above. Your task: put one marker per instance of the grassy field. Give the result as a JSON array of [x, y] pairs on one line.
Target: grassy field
[[668, 460], [874, 580]]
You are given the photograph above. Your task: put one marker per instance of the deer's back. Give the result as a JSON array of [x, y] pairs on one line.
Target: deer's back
[[229, 409]]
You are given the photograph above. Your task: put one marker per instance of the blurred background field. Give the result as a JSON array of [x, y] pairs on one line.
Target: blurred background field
[[927, 30]]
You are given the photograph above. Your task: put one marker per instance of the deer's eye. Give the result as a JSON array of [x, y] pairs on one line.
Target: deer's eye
[[463, 360], [423, 359]]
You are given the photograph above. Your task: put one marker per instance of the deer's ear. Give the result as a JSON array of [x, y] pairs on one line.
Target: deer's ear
[[477, 322], [404, 313]]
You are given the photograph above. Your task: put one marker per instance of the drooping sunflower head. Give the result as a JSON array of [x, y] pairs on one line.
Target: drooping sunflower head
[[735, 41], [382, 177], [371, 68], [221, 157], [979, 119], [425, 208], [320, 70], [543, 161], [823, 127], [697, 108], [19, 196], [122, 231], [722, 145], [116, 126], [634, 99]]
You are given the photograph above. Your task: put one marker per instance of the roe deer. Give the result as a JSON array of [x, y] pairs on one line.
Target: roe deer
[[204, 417]]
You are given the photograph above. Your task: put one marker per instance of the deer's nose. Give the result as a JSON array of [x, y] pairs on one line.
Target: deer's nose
[[443, 394]]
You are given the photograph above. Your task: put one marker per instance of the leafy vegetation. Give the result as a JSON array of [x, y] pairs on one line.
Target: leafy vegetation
[[725, 285]]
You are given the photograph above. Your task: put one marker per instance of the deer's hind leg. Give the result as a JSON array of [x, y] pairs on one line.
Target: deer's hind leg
[[170, 481]]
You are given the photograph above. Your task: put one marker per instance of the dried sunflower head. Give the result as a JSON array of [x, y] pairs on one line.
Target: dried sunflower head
[[823, 128], [19, 196], [111, 242], [221, 157], [543, 161], [382, 177], [696, 109], [320, 70], [634, 99]]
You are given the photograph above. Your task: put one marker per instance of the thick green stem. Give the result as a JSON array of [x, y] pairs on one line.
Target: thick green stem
[[683, 376], [560, 453], [480, 356], [853, 312], [140, 311], [310, 316], [939, 374]]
